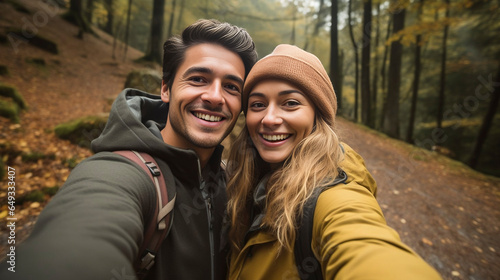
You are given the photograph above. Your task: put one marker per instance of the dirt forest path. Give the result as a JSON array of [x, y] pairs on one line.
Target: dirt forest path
[[447, 213]]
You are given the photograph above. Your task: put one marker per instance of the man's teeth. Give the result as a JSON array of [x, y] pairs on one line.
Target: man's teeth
[[210, 118], [275, 137]]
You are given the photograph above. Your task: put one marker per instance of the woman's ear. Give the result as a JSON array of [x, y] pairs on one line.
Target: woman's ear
[[165, 92]]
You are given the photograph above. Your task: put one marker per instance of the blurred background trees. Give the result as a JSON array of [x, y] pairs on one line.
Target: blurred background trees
[[426, 72]]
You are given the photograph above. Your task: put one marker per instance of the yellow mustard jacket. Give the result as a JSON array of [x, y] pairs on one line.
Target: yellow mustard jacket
[[350, 238]]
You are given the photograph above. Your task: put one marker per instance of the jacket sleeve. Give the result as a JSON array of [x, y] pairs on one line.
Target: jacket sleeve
[[92, 228], [351, 237]]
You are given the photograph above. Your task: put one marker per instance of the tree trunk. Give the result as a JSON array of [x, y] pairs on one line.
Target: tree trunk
[[487, 122], [374, 91], [181, 13], [442, 83], [76, 16], [334, 55], [356, 62], [127, 28], [383, 74], [391, 119], [416, 78], [89, 9], [109, 24], [172, 15], [366, 117], [155, 50]]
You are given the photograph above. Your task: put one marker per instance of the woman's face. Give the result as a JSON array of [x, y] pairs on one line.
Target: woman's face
[[279, 116]]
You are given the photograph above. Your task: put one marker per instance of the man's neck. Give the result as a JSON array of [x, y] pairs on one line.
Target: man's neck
[[203, 154]]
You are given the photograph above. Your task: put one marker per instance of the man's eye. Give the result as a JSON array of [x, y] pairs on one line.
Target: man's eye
[[196, 79], [233, 87]]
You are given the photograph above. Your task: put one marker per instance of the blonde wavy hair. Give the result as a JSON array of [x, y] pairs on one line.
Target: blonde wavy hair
[[313, 163]]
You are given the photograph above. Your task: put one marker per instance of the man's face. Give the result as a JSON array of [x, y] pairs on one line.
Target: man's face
[[205, 99]]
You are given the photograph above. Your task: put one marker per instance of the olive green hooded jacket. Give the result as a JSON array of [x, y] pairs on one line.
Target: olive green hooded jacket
[[350, 238]]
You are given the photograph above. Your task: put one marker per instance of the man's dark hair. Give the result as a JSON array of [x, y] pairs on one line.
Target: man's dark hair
[[231, 37]]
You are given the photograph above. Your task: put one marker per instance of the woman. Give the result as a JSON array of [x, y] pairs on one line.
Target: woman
[[288, 149]]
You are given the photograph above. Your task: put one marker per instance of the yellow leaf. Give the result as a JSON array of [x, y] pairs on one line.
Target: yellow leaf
[[35, 205], [3, 214]]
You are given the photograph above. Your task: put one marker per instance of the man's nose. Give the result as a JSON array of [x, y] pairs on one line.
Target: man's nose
[[214, 94]]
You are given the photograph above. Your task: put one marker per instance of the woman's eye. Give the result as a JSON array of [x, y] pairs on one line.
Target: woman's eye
[[292, 103], [256, 105]]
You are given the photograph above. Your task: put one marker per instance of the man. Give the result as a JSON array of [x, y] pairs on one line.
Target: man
[[93, 227]]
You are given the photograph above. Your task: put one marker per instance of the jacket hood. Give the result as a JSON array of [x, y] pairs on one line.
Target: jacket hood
[[135, 123]]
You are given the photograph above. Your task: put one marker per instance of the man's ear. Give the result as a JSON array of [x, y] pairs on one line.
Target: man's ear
[[165, 92]]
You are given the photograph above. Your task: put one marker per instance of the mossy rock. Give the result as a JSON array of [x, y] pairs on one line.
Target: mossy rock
[[34, 40], [9, 110], [36, 61], [18, 6], [12, 93], [147, 80], [82, 131]]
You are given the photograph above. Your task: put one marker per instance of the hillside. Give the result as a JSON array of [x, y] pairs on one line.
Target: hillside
[[445, 211]]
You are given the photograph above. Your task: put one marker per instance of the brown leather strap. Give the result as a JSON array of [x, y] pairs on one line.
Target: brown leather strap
[[159, 226]]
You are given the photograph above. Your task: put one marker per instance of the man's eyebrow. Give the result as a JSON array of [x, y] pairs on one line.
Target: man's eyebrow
[[205, 70], [196, 69], [234, 78]]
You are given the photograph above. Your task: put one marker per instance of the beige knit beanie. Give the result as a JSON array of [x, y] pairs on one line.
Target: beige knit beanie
[[300, 68]]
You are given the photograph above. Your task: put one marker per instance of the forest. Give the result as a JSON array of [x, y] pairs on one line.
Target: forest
[[417, 83], [422, 71]]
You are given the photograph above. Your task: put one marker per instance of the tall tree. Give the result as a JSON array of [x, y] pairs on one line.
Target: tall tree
[[366, 117], [383, 73], [335, 74], [320, 21], [442, 80], [171, 23], [127, 28], [416, 77], [109, 24], [181, 13], [155, 50], [487, 122], [374, 90], [89, 10], [356, 61], [75, 15], [391, 114]]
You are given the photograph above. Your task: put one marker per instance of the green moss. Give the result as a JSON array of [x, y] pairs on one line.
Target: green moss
[[81, 131], [36, 61], [33, 196], [70, 162], [35, 156], [11, 92], [9, 110], [50, 191]]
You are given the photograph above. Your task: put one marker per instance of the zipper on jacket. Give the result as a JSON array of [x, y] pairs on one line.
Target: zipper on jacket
[[207, 197]]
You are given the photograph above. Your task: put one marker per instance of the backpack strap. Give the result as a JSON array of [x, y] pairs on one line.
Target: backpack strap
[[159, 226], [307, 264]]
